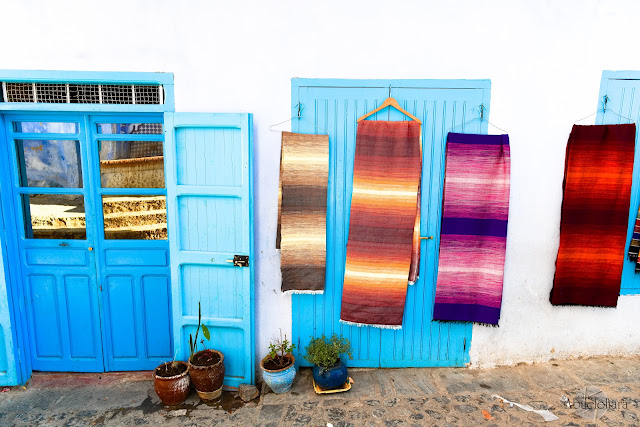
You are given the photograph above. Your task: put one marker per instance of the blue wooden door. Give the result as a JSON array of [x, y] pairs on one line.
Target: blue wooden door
[[209, 196], [334, 106], [88, 198], [51, 193], [132, 247]]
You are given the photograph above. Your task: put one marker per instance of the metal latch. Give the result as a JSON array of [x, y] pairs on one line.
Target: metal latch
[[240, 260]]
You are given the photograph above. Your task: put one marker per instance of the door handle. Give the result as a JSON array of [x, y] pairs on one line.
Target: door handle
[[90, 248], [426, 237]]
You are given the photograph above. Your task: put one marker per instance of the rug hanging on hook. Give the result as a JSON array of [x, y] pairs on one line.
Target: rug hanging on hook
[[473, 236], [594, 216], [384, 236], [302, 212]]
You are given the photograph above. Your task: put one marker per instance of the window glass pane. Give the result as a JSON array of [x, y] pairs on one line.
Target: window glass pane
[[45, 163], [54, 216], [130, 128], [135, 217], [45, 127], [131, 164]]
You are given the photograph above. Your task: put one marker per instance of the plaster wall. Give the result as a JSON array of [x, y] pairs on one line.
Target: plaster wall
[[545, 60]]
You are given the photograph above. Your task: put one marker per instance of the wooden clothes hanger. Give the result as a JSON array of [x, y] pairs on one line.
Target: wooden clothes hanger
[[390, 102]]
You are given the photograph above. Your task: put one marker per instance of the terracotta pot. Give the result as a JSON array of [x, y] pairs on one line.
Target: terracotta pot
[[172, 390], [208, 379], [280, 380]]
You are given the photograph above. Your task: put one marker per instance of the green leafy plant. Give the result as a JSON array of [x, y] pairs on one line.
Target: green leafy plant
[[279, 348], [325, 352], [193, 342]]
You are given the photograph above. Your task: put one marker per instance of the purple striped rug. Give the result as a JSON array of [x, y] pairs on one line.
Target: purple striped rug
[[474, 229]]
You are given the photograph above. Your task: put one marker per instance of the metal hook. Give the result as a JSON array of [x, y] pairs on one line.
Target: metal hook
[[605, 99], [481, 112]]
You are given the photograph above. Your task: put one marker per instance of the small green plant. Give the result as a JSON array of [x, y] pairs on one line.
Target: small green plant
[[193, 342], [279, 348], [326, 352]]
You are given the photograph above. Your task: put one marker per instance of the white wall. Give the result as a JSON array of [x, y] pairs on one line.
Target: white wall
[[545, 60]]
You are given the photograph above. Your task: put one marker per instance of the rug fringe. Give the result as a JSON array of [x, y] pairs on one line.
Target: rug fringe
[[360, 325], [582, 305], [301, 292], [466, 322]]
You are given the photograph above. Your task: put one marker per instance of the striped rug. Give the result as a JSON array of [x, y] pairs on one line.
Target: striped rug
[[302, 212], [474, 228], [594, 217], [382, 225]]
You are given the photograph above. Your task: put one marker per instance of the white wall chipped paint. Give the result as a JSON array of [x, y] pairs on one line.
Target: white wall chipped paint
[[544, 58]]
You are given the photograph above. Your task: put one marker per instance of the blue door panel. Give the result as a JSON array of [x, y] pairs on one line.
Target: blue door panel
[[77, 292], [218, 289], [122, 310], [44, 303], [202, 163], [69, 257], [157, 305], [333, 106], [209, 199], [137, 258]]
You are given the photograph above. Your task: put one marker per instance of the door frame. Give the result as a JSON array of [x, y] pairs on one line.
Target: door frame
[[19, 350], [429, 222]]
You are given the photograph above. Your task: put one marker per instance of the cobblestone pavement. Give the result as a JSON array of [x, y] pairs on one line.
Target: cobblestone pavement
[[382, 397]]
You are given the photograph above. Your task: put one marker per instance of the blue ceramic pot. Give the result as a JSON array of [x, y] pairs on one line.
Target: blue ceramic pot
[[279, 381], [330, 378]]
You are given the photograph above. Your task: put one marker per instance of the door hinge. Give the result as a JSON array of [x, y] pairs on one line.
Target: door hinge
[[240, 260]]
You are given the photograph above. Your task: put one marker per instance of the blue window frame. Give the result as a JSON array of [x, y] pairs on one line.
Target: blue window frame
[[618, 103]]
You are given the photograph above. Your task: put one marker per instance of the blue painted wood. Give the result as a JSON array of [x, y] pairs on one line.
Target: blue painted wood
[[334, 105], [78, 290], [9, 360], [623, 90], [62, 309], [133, 274], [18, 365], [208, 163]]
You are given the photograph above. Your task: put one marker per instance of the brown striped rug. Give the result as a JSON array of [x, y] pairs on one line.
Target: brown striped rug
[[383, 225], [302, 212]]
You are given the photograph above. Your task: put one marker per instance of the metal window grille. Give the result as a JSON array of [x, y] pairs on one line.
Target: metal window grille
[[84, 94], [55, 93], [72, 93]]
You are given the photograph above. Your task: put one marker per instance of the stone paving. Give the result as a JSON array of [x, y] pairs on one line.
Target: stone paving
[[383, 397]]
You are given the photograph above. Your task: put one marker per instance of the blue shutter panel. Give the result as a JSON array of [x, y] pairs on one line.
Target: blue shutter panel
[[333, 106], [9, 370], [210, 220], [623, 95]]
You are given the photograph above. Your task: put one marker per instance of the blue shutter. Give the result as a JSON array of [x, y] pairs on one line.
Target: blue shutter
[[623, 92], [9, 370], [334, 105], [210, 220]]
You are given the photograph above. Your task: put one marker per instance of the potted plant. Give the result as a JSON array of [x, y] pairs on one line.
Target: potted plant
[[206, 367], [329, 371], [171, 382], [278, 367]]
